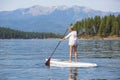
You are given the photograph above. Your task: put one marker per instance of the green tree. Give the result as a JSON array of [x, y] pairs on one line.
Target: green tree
[[97, 22], [115, 28], [78, 26], [101, 31], [118, 20], [111, 19]]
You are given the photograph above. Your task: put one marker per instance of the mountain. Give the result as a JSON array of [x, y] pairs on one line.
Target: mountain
[[46, 19]]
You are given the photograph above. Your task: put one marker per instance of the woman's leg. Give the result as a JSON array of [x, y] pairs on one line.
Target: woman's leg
[[70, 55], [75, 53]]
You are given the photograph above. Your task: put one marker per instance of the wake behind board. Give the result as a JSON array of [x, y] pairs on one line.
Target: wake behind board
[[60, 63]]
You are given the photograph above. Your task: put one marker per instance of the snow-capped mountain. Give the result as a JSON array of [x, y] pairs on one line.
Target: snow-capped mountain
[[47, 19]]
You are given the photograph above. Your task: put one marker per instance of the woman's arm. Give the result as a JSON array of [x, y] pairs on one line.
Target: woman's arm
[[67, 36]]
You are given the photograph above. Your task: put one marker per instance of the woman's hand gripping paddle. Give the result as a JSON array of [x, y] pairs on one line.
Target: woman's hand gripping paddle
[[47, 63]]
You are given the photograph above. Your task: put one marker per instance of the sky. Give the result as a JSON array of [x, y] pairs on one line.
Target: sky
[[103, 5]]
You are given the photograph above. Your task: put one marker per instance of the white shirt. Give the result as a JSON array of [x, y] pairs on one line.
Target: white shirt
[[72, 38]]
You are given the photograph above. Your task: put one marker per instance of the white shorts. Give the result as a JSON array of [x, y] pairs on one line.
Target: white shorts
[[73, 43]]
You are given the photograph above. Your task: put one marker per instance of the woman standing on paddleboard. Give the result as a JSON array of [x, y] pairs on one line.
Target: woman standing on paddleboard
[[72, 42]]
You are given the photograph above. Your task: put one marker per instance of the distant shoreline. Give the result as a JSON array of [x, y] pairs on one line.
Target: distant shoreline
[[94, 38], [90, 38], [101, 38]]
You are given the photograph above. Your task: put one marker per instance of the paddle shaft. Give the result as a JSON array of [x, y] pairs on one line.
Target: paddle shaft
[[58, 44], [55, 49]]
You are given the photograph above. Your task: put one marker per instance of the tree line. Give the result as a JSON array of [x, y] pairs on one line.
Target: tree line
[[7, 33], [97, 26], [100, 26]]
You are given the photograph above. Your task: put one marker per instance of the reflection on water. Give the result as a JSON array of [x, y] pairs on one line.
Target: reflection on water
[[99, 49], [73, 74]]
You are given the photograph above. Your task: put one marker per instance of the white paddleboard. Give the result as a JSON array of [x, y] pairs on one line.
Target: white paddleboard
[[60, 63]]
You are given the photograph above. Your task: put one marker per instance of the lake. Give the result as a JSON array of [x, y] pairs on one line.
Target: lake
[[24, 60]]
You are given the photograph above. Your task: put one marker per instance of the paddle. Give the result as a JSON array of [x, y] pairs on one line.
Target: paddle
[[47, 63]]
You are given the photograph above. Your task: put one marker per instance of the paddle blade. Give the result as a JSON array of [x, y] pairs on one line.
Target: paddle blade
[[48, 62]]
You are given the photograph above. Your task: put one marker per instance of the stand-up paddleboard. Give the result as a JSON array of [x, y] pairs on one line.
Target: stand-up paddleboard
[[60, 63]]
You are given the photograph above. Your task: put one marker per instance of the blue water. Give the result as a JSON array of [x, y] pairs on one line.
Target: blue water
[[24, 60]]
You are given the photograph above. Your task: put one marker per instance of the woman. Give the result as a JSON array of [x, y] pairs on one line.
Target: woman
[[72, 42]]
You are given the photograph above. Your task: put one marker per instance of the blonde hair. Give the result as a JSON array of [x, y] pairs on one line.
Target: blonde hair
[[71, 28]]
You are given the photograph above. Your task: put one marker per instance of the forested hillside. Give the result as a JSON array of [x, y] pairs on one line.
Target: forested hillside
[[97, 26], [7, 33], [100, 26]]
